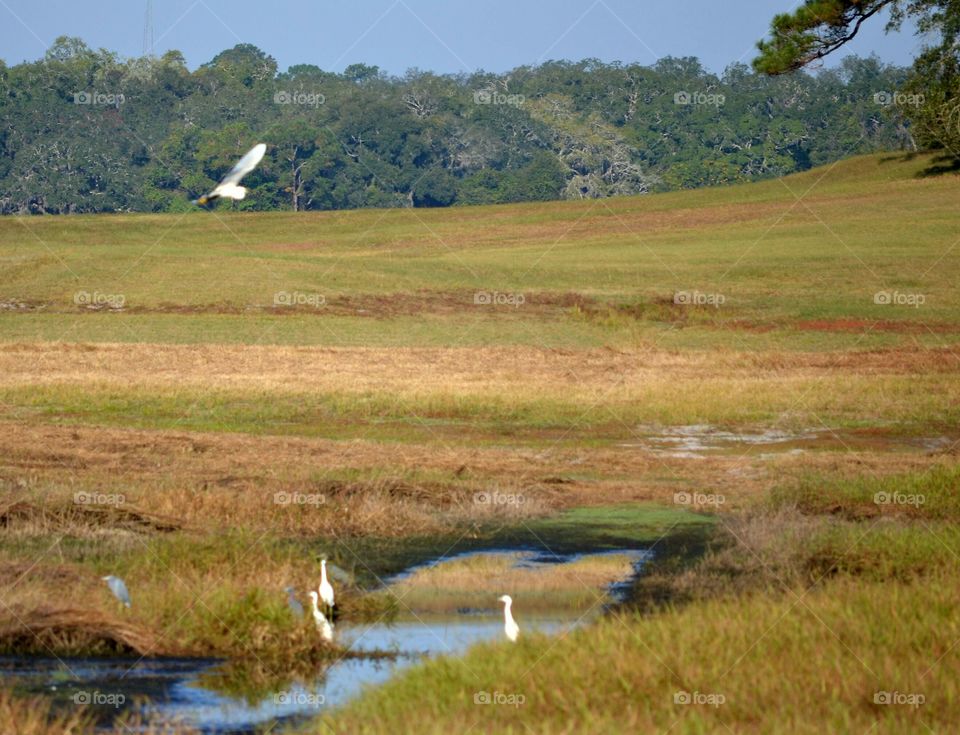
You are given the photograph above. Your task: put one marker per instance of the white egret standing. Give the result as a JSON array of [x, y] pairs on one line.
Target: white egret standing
[[323, 625], [118, 588], [229, 187], [510, 626], [326, 589]]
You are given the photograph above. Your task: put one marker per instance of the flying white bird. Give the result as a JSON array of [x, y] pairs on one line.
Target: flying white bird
[[323, 625], [118, 588], [326, 589], [230, 187], [510, 626]]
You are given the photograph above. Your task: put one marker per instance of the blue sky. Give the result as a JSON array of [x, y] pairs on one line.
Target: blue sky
[[437, 35]]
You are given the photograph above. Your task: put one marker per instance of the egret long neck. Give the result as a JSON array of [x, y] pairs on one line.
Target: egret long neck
[[507, 615]]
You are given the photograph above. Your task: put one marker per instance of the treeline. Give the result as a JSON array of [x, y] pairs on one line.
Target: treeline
[[86, 131]]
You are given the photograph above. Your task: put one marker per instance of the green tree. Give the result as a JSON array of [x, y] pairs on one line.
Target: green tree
[[294, 142], [246, 64], [366, 139], [932, 96]]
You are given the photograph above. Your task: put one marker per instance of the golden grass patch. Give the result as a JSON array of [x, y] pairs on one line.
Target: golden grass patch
[[476, 580]]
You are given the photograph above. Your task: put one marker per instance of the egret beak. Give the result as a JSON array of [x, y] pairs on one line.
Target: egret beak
[[202, 201]]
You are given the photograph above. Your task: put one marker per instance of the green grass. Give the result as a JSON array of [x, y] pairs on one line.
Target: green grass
[[618, 526], [901, 404], [778, 665], [799, 623], [930, 495], [775, 261]]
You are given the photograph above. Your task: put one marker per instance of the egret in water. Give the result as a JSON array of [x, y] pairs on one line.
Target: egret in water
[[229, 187], [323, 625], [326, 589], [293, 603], [510, 626], [118, 588]]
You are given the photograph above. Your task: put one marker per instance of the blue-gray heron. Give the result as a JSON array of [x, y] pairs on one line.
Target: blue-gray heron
[[118, 588]]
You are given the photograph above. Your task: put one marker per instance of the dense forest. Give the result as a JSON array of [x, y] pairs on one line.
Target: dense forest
[[83, 130]]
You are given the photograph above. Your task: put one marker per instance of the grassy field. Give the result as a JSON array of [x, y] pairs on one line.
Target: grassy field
[[796, 262], [206, 404]]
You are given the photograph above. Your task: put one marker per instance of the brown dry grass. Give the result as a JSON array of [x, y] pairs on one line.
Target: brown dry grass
[[205, 480], [477, 581], [470, 370], [33, 716], [20, 715], [76, 518], [40, 630], [482, 573]]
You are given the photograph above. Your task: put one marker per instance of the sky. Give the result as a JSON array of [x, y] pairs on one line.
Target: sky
[[444, 36]]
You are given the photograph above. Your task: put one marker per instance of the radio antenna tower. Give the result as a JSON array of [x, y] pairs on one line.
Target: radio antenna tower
[[148, 39]]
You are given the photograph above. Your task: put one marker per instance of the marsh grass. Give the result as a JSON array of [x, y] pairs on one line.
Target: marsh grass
[[191, 595], [842, 645], [618, 526], [471, 581], [930, 495], [817, 527], [204, 591], [26, 715], [851, 605], [33, 715]]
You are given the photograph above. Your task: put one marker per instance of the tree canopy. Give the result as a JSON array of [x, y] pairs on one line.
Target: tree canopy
[[84, 130], [930, 96]]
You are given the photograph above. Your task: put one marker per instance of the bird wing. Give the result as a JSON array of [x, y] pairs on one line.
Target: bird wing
[[245, 165], [119, 589]]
